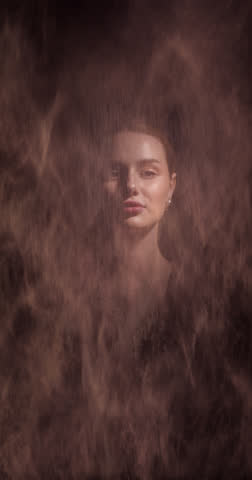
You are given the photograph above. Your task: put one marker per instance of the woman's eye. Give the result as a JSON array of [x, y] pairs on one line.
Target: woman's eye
[[148, 173], [115, 172]]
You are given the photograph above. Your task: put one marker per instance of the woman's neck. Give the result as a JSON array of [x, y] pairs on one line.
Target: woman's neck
[[140, 263], [136, 249]]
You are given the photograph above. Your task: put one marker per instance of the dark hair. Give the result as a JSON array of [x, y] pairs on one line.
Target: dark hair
[[164, 124]]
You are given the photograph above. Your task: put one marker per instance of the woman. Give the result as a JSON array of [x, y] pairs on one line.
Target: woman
[[138, 185], [157, 377], [145, 392]]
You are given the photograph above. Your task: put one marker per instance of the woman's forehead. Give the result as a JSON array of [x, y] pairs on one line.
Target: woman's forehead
[[131, 146]]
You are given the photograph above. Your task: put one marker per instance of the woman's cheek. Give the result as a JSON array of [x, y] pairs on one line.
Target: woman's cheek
[[157, 191], [110, 188], [159, 197]]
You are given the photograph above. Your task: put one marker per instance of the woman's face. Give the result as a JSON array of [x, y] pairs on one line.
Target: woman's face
[[138, 182]]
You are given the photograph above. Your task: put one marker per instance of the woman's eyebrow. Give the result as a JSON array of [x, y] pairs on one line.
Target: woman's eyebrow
[[141, 161], [148, 160]]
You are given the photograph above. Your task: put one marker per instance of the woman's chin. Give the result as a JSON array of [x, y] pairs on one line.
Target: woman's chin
[[134, 222], [137, 225]]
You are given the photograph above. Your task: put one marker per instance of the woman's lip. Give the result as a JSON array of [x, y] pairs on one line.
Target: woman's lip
[[131, 204], [133, 210]]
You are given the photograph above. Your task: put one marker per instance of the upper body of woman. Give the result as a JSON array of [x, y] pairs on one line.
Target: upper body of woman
[[146, 390], [157, 378]]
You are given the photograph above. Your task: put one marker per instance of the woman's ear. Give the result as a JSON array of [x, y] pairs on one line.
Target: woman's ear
[[173, 180]]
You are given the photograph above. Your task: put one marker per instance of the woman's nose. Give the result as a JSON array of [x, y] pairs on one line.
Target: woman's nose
[[131, 183]]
